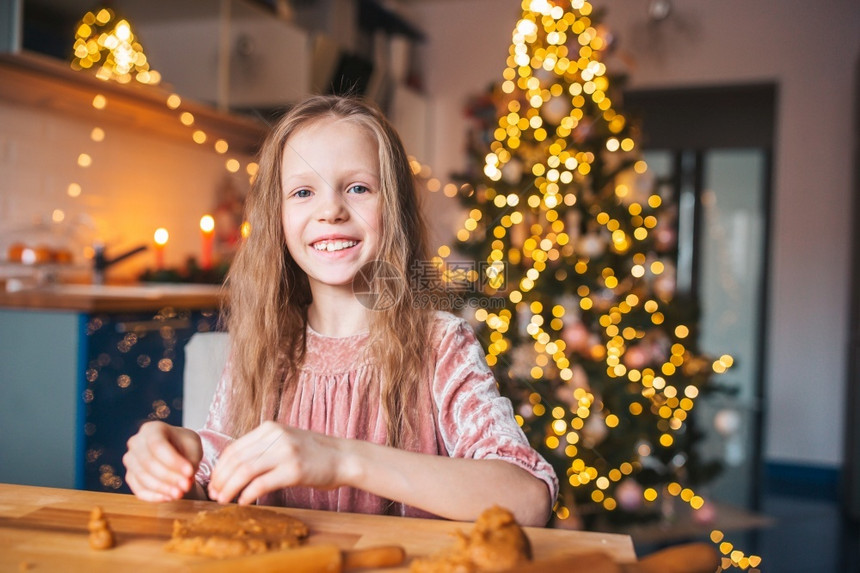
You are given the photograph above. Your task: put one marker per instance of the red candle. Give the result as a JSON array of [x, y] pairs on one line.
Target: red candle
[[207, 237], [160, 238]]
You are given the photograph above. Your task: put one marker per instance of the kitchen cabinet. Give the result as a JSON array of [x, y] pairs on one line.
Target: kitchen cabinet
[[78, 383]]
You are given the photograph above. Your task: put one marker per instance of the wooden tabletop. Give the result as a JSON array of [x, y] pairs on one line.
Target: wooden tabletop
[[111, 298], [45, 529]]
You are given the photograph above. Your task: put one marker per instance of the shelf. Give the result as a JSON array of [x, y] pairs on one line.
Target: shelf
[[39, 81]]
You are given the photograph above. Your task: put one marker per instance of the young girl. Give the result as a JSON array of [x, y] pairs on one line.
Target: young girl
[[329, 402]]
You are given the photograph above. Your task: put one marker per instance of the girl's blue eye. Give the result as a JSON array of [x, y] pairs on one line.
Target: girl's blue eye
[[358, 189], [303, 193]]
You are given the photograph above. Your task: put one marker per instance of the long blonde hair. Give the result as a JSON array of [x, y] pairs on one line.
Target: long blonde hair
[[269, 294]]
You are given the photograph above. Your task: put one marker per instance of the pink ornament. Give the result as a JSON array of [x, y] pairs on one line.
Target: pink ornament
[[665, 238], [629, 495], [526, 411], [635, 358], [575, 336], [706, 514], [664, 287]]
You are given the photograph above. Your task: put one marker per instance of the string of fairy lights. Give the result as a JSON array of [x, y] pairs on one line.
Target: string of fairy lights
[[541, 49], [106, 45]]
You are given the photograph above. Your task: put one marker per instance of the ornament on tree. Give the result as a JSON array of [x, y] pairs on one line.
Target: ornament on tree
[[636, 357], [577, 337], [594, 431], [666, 237], [591, 245], [727, 422], [664, 284], [557, 108], [512, 171], [706, 514], [629, 495]]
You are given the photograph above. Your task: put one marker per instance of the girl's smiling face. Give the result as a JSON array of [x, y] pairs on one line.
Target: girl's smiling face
[[331, 202]]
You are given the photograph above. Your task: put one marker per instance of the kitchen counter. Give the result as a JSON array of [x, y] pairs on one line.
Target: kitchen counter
[[91, 363], [46, 529], [114, 298]]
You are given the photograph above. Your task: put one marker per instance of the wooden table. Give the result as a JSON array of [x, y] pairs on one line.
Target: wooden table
[[45, 529]]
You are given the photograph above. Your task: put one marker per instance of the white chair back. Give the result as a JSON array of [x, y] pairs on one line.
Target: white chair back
[[205, 358]]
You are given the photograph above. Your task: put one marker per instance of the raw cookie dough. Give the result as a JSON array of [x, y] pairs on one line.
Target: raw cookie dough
[[234, 531], [496, 543]]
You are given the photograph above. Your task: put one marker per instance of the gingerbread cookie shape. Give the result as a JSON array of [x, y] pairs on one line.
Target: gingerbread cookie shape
[[496, 543], [101, 536], [234, 531]]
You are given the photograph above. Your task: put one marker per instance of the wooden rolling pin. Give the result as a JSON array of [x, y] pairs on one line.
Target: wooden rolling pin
[[687, 558], [326, 558]]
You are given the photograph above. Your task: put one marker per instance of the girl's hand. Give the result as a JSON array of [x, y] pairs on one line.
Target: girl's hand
[[273, 457], [161, 461]]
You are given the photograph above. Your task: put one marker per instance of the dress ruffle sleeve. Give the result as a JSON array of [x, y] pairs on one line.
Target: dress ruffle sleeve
[[214, 435], [474, 420]]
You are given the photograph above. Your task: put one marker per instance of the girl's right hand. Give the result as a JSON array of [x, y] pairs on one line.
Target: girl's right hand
[[161, 461]]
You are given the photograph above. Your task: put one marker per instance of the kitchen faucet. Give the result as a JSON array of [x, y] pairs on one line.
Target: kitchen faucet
[[101, 262]]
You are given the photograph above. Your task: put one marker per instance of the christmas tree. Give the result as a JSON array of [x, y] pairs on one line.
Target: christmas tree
[[576, 298]]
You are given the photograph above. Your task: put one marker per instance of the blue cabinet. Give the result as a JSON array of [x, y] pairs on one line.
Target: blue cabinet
[[77, 386]]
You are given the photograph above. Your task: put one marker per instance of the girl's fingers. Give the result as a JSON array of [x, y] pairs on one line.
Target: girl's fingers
[[144, 485], [153, 477], [234, 479], [156, 471], [244, 461], [167, 456], [164, 463], [263, 484], [234, 455], [148, 488]]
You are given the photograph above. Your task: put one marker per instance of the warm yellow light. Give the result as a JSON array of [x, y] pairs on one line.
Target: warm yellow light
[[207, 223], [160, 236], [199, 136], [84, 160], [97, 134], [73, 190], [173, 101], [187, 118], [99, 101]]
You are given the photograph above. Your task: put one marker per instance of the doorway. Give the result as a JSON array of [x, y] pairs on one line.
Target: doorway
[[711, 149]]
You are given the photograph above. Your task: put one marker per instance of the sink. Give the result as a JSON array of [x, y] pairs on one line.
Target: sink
[[151, 290]]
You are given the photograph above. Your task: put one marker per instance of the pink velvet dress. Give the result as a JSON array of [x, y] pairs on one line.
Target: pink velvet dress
[[461, 413]]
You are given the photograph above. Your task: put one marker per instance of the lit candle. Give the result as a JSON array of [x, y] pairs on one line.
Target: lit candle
[[207, 230], [160, 238]]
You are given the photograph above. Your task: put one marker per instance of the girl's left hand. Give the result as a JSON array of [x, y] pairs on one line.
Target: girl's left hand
[[273, 457]]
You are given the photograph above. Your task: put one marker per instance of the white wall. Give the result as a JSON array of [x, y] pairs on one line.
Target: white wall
[[810, 50], [138, 181]]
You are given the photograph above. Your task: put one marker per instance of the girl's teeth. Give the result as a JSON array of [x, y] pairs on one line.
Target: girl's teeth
[[333, 245]]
